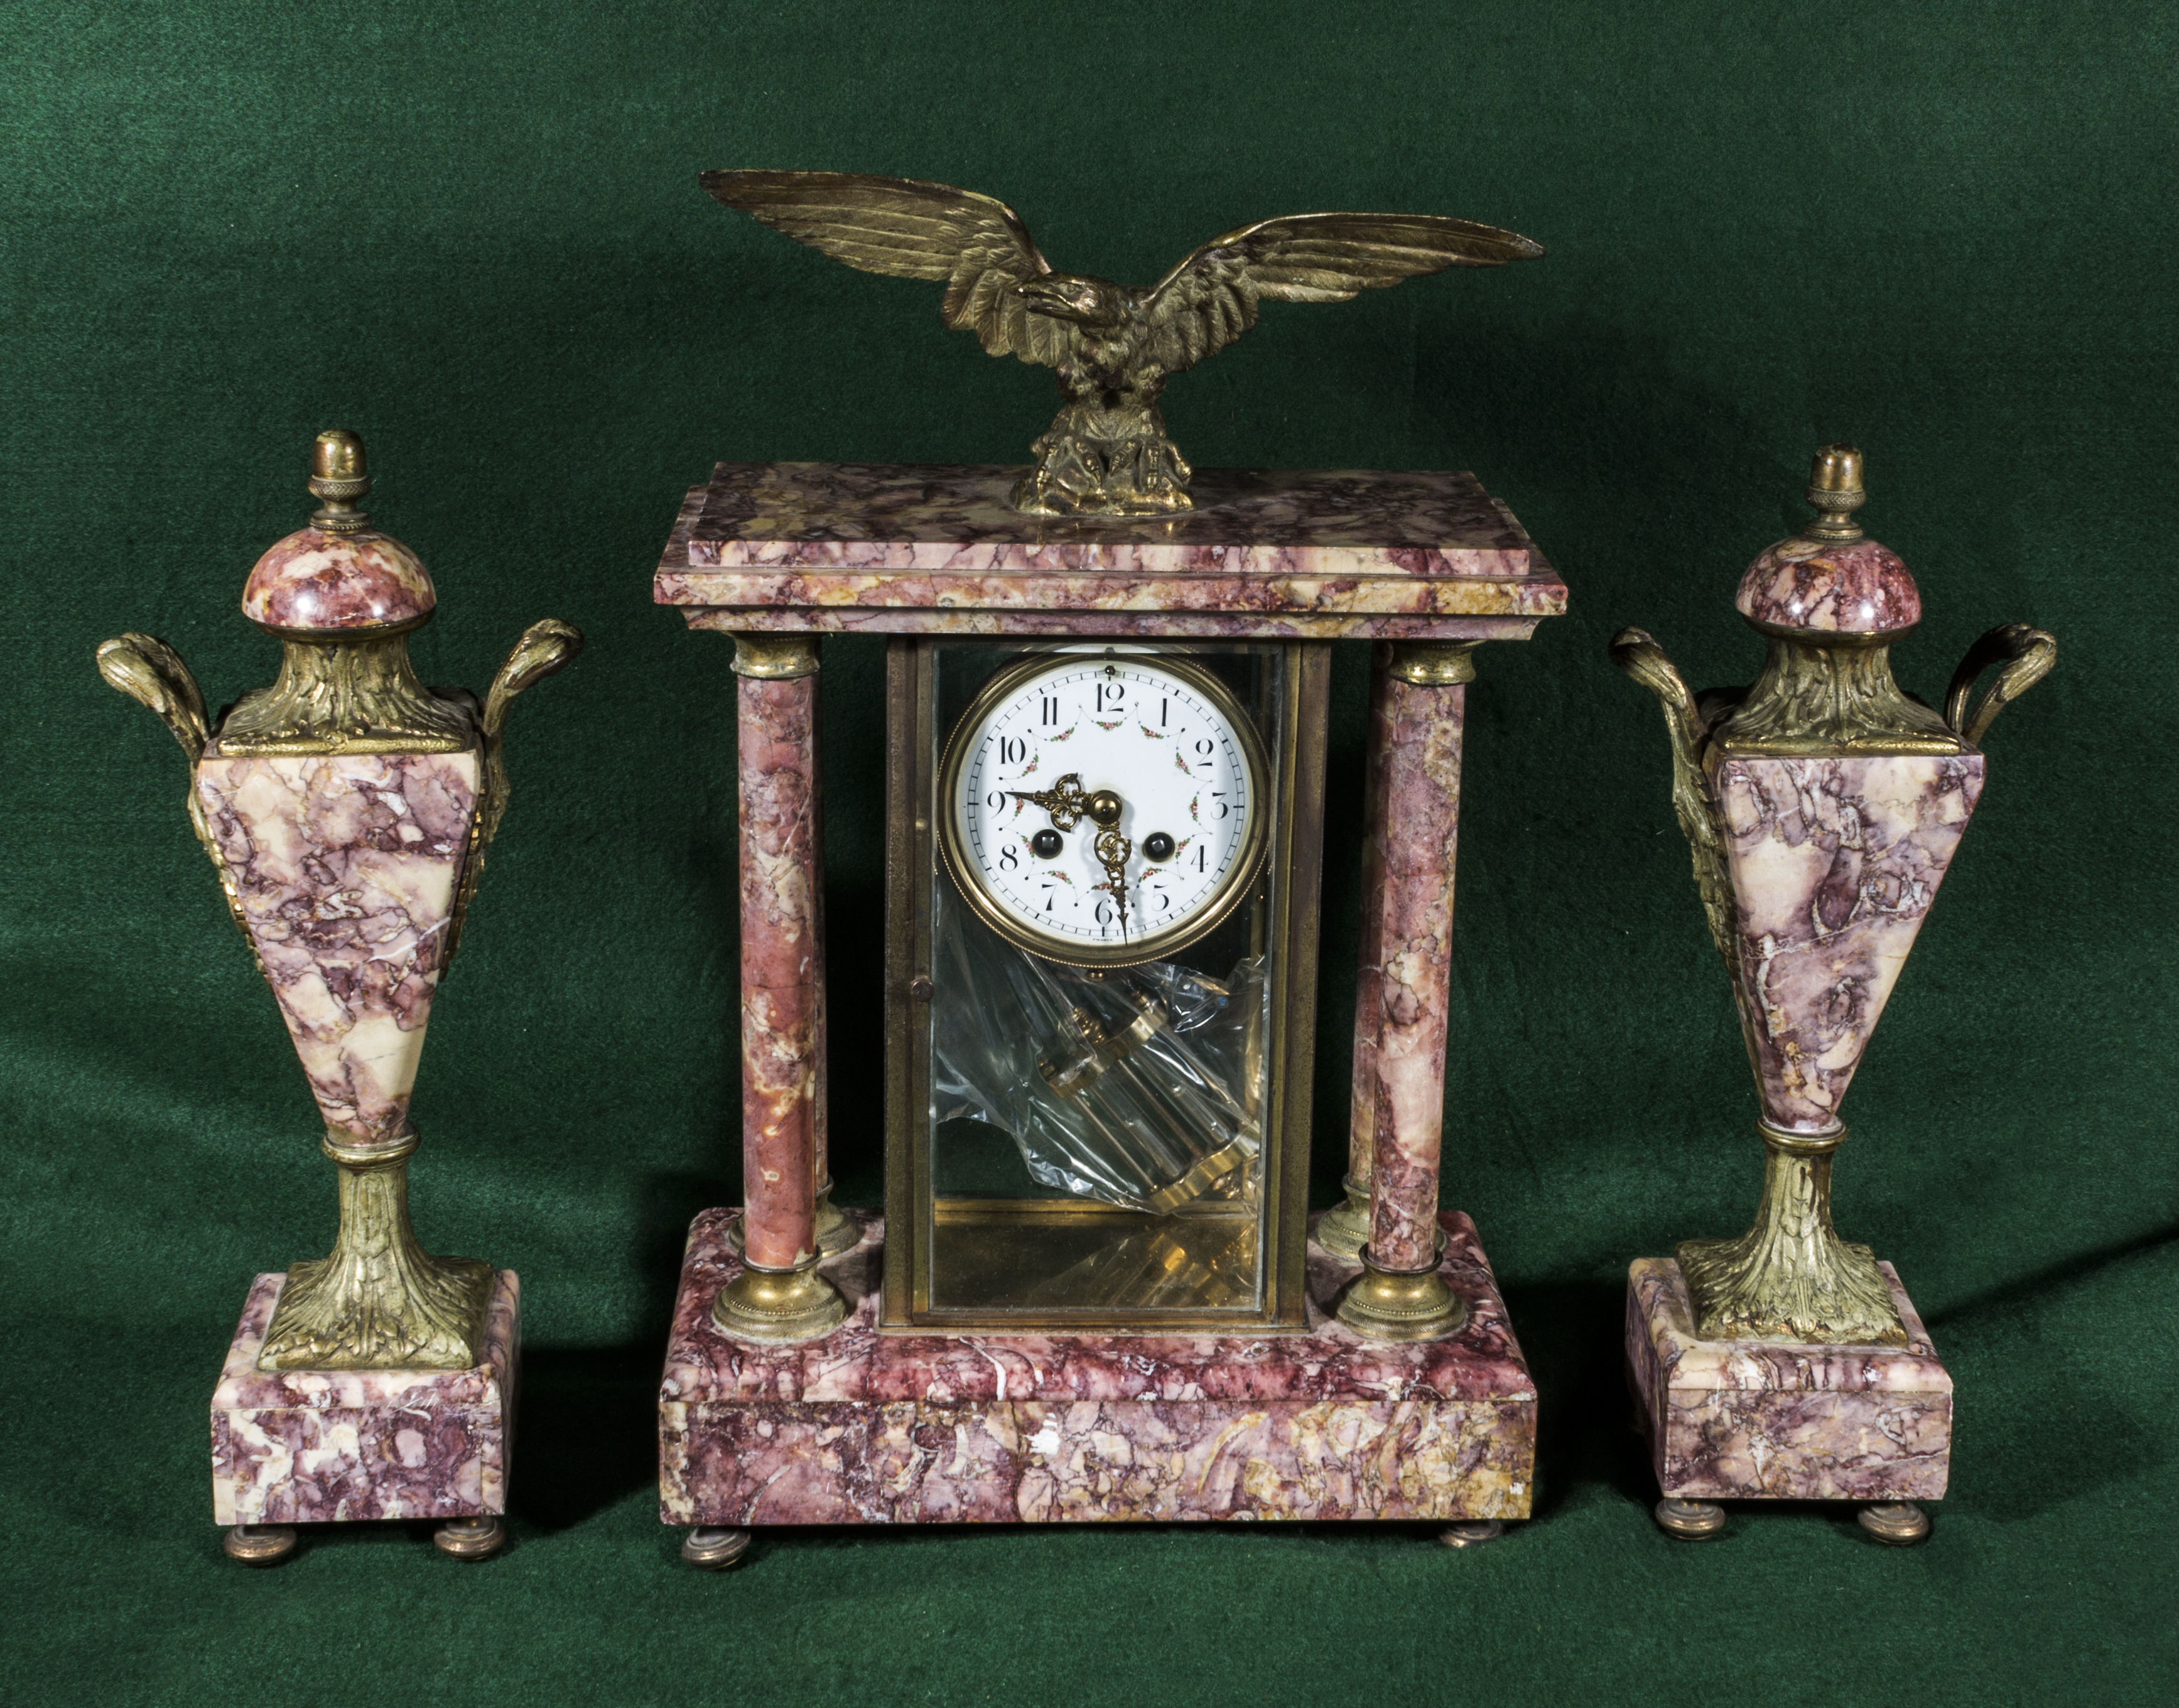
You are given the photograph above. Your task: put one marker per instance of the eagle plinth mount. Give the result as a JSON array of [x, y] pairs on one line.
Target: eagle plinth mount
[[1106, 453]]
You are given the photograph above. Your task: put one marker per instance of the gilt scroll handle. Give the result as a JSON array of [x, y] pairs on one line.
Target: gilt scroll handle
[[545, 647], [152, 674], [2027, 656], [1637, 654]]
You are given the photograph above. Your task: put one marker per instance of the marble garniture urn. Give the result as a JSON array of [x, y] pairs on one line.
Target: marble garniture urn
[[1824, 807], [347, 808]]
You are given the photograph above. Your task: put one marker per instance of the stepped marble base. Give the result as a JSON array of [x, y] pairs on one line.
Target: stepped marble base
[[309, 1447], [861, 1427], [1751, 1419]]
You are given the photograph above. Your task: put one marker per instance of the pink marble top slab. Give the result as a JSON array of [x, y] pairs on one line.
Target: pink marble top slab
[[1778, 1366], [888, 547], [857, 1363]]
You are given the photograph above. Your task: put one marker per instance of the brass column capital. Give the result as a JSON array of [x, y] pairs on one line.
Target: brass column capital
[[775, 658], [1380, 1304], [1430, 663], [777, 1305]]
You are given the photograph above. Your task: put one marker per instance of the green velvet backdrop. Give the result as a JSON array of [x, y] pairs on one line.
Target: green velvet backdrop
[[473, 234]]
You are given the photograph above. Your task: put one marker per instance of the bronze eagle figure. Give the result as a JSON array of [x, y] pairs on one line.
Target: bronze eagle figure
[[1107, 454]]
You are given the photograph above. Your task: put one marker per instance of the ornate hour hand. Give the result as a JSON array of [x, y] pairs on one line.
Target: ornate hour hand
[[1065, 801]]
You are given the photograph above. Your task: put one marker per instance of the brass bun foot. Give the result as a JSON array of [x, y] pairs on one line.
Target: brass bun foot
[[1385, 1306], [779, 1304], [470, 1538], [258, 1545], [1895, 1523], [1472, 1533], [715, 1548], [1691, 1521]]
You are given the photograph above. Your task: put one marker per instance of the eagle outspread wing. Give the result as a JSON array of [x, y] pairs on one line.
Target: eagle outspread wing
[[1209, 299], [976, 247]]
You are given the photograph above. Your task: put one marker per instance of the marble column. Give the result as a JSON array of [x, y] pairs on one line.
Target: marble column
[[1418, 701], [780, 1295]]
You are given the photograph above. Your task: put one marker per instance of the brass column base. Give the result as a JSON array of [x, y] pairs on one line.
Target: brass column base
[[836, 1231], [381, 1301], [1344, 1230], [1383, 1306], [778, 1304]]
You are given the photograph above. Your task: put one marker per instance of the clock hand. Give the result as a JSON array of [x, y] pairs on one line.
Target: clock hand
[[1113, 852], [1064, 800], [1069, 805]]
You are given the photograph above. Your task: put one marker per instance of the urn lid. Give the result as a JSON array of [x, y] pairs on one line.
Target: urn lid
[[339, 573], [1830, 579]]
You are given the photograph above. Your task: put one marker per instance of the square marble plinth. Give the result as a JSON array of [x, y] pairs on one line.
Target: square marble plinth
[[862, 1427], [304, 1447], [1751, 1420]]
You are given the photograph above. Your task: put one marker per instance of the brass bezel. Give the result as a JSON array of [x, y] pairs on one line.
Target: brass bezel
[[1004, 683], [1289, 932]]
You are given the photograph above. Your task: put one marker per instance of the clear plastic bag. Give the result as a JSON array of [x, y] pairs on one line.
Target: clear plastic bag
[[1139, 1086]]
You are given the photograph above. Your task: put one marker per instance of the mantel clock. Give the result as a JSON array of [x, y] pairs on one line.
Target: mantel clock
[[1097, 1291]]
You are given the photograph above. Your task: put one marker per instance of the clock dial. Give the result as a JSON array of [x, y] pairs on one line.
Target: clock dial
[[1103, 810]]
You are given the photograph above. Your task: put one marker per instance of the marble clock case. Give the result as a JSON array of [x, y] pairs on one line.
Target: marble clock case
[[856, 1426]]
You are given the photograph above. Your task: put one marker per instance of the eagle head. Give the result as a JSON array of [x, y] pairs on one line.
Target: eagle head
[[1076, 297]]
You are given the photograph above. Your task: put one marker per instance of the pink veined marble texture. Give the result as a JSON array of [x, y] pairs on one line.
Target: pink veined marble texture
[[783, 965], [1782, 1420], [327, 581], [1859, 588], [1414, 823], [902, 549], [347, 868], [1835, 862], [302, 1447], [862, 1427]]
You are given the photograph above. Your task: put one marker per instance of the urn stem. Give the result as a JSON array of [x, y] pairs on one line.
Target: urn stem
[[1791, 1277], [380, 1301]]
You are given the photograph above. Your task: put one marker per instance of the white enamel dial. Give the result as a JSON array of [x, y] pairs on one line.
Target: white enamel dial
[[1103, 810]]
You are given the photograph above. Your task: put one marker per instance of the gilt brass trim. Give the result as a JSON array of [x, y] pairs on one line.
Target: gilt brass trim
[[1791, 1277], [338, 477], [152, 674], [380, 1301], [1301, 681], [775, 658], [2029, 656], [1238, 885], [542, 649], [774, 1305], [1431, 663], [1836, 697], [344, 691], [1380, 1304]]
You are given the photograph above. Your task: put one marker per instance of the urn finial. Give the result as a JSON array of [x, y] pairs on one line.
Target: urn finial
[[339, 478], [1835, 489]]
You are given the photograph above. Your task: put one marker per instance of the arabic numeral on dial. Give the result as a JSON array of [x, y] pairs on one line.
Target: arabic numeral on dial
[[1008, 859], [1110, 694], [994, 800], [1203, 858], [1051, 708], [1224, 807], [1012, 749], [1104, 914]]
